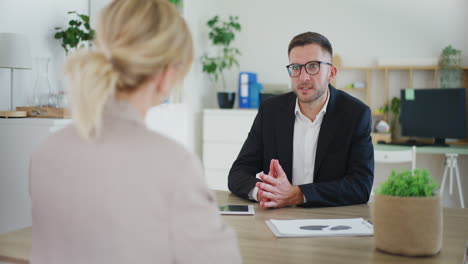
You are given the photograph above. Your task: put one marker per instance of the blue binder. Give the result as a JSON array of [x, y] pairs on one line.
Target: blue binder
[[246, 80]]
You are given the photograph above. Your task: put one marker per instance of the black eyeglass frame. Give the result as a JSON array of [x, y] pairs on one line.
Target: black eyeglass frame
[[303, 66]]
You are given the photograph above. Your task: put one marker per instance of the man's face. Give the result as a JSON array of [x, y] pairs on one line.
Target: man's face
[[309, 88]]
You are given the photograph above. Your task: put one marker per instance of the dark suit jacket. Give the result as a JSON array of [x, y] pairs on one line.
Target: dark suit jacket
[[344, 162]]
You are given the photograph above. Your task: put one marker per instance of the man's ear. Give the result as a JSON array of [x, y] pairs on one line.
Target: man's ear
[[332, 74]]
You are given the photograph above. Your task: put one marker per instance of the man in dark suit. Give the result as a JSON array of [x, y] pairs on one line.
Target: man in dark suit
[[313, 144]]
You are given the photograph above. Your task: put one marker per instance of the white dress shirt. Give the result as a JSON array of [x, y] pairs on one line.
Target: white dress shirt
[[306, 133]]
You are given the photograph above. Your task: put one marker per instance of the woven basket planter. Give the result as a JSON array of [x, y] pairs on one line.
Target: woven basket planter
[[410, 226]]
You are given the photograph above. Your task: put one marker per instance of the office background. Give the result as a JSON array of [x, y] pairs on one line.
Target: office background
[[361, 31]]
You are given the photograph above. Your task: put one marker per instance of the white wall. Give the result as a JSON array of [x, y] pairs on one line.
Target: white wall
[[360, 30], [37, 20]]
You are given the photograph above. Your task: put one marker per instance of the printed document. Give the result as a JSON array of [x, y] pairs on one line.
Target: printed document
[[321, 227]]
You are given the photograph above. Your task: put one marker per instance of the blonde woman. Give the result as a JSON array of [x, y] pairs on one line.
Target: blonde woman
[[106, 189]]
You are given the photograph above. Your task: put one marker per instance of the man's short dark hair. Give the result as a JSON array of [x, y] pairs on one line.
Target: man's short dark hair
[[310, 38]]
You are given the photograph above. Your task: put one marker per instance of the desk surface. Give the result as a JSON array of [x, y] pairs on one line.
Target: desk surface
[[258, 245], [456, 149]]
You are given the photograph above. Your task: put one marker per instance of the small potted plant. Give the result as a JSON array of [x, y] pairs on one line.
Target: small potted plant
[[77, 34], [221, 34], [407, 214], [451, 72], [393, 107]]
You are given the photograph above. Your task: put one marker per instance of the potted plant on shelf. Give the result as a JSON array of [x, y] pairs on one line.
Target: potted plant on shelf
[[451, 72], [407, 214], [78, 34], [222, 34], [393, 108], [177, 3]]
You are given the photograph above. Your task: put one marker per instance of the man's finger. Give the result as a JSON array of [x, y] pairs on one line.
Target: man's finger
[[279, 170], [268, 179], [270, 196], [266, 187], [261, 197], [272, 171], [271, 204]]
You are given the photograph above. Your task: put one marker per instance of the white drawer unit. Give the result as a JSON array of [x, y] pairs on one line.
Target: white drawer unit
[[224, 133], [18, 139]]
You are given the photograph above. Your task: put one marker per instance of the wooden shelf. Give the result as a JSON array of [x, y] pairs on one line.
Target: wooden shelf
[[354, 89], [355, 68], [394, 68], [405, 68]]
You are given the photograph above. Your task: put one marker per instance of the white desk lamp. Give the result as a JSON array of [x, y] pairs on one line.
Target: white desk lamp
[[14, 54]]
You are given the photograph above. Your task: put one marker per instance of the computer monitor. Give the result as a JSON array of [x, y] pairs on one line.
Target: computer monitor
[[433, 113]]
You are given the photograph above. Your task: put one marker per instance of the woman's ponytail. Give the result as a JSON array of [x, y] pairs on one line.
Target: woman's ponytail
[[92, 82]]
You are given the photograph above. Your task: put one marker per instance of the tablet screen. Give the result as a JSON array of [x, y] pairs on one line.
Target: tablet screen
[[236, 209]]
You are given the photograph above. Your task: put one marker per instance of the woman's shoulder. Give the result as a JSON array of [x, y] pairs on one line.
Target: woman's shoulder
[[134, 142]]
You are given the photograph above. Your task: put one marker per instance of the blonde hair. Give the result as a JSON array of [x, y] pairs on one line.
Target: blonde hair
[[135, 39]]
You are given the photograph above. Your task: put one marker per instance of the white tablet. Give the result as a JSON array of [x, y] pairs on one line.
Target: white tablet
[[236, 209]]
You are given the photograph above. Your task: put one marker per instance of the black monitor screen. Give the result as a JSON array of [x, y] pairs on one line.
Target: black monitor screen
[[435, 113]]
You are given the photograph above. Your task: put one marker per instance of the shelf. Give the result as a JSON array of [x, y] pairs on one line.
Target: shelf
[[353, 89], [355, 68], [375, 113], [396, 67], [406, 68]]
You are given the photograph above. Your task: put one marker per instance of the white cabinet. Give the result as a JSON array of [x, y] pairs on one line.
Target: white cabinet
[[224, 133], [18, 139]]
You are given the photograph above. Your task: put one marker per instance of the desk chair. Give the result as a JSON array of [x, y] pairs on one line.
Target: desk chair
[[395, 156], [452, 165]]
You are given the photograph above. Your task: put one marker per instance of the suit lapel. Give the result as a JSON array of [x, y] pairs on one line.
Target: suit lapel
[[329, 125], [285, 134]]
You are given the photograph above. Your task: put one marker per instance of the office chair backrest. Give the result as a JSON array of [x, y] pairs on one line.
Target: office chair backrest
[[396, 156]]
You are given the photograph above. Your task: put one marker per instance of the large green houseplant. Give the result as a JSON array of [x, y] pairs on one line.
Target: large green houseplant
[[407, 214], [221, 34]]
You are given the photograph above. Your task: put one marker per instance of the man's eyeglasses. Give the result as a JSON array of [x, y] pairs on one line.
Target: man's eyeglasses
[[312, 68]]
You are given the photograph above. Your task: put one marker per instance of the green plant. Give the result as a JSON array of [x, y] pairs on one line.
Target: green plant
[[392, 107], [409, 183], [451, 73], [177, 3], [78, 32], [450, 57], [221, 34]]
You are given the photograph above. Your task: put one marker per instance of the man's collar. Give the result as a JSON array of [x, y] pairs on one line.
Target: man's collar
[[297, 109]]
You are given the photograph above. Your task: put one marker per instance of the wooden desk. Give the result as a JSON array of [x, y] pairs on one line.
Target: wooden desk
[[258, 245]]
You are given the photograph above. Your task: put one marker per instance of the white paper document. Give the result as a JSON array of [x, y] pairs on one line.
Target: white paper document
[[321, 227]]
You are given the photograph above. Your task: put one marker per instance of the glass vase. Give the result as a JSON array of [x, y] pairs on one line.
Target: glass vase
[[42, 91]]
